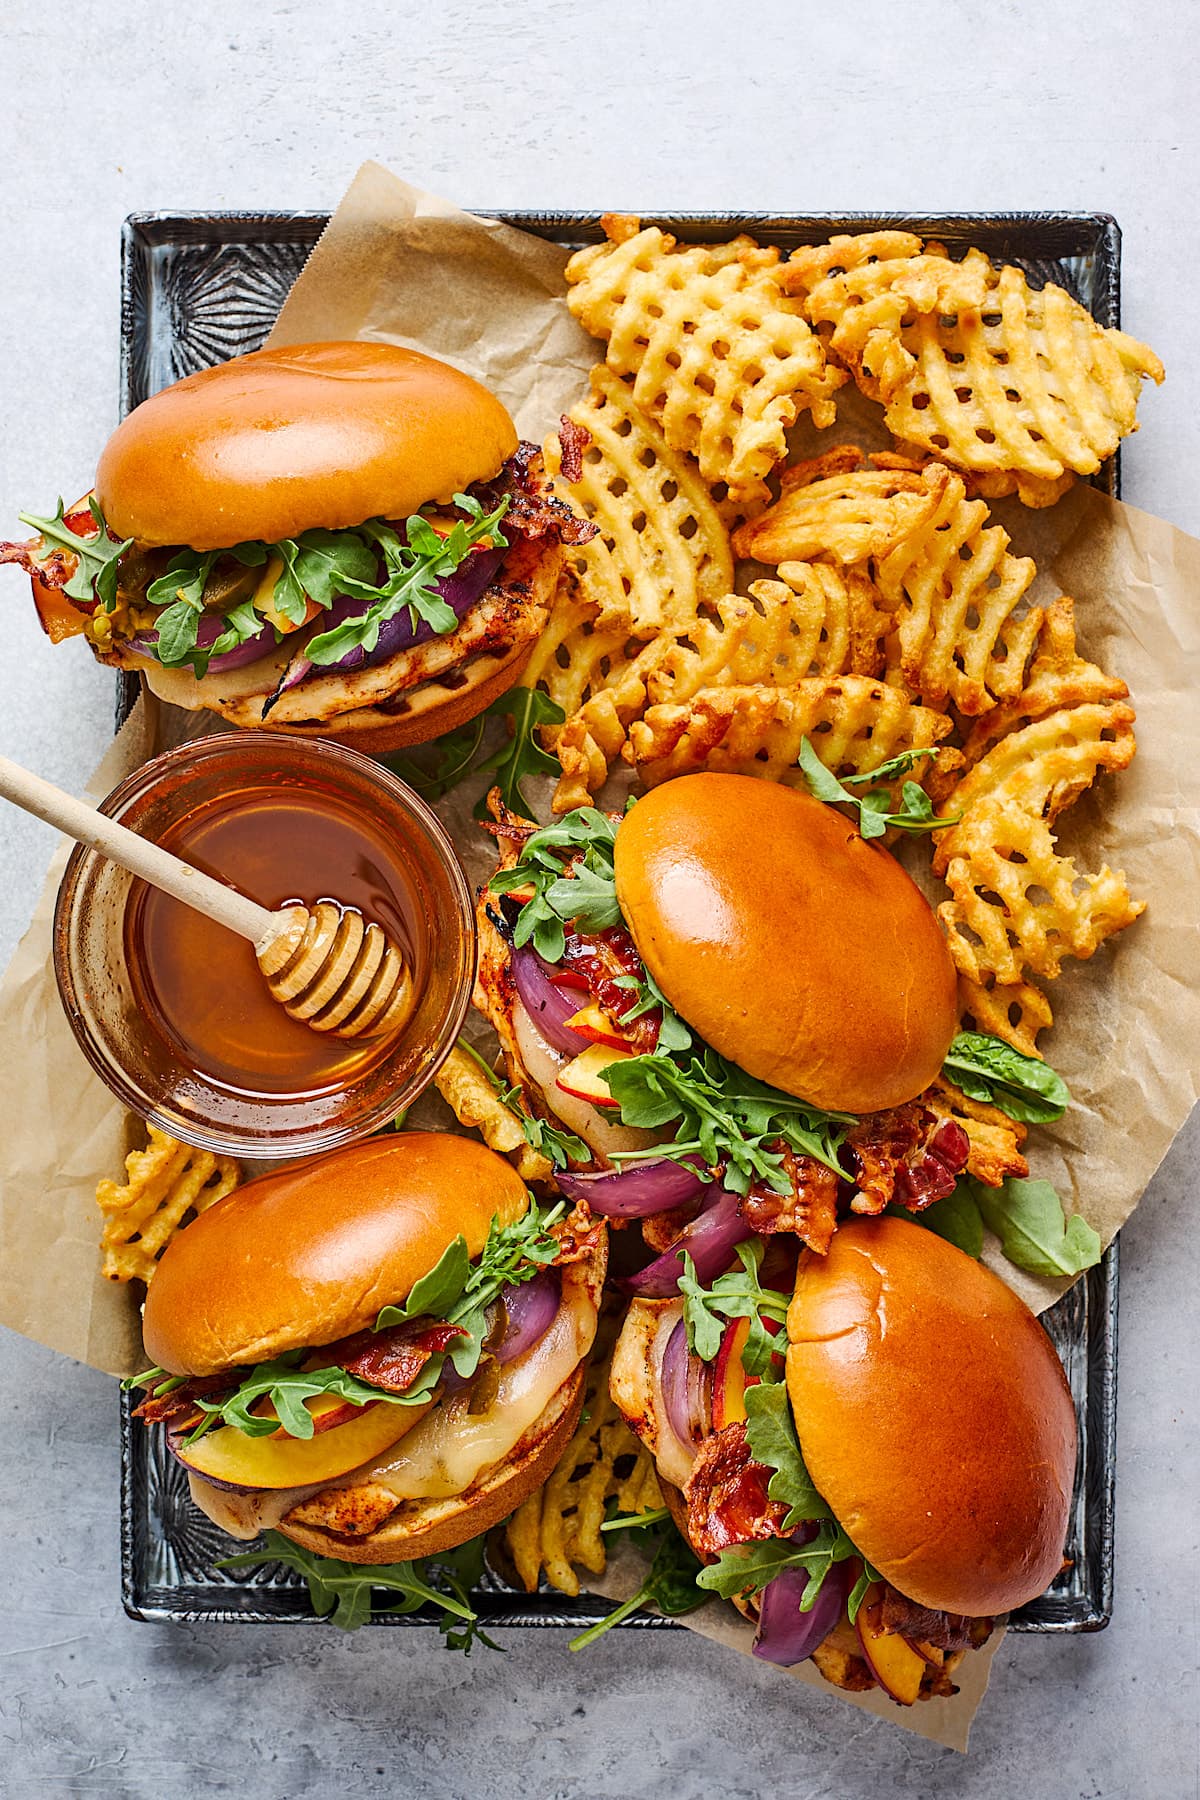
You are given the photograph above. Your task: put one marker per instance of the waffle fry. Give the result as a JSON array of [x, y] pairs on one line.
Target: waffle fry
[[716, 349], [973, 365], [557, 1528], [165, 1183], [836, 508], [995, 1139], [963, 632], [852, 722], [1058, 677], [1016, 1012], [663, 550], [476, 1104]]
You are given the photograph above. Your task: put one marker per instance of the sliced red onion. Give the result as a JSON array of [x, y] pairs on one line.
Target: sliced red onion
[[459, 591], [207, 632], [635, 1193], [531, 1310], [548, 1006], [709, 1240], [788, 1636], [686, 1390]]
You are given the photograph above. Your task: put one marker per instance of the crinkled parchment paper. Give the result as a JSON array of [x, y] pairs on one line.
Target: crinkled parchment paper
[[404, 267]]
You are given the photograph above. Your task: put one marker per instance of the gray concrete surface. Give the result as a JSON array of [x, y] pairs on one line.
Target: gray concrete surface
[[111, 108]]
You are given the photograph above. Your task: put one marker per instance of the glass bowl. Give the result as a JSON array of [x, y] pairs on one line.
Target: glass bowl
[[146, 1063]]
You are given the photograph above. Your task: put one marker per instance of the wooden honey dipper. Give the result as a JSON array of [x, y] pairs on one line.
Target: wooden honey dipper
[[325, 965]]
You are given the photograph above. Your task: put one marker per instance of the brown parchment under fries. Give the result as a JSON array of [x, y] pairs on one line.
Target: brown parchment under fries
[[403, 266]]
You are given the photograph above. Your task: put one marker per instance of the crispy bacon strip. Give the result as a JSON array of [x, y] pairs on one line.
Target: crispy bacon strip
[[907, 1156], [393, 1358], [180, 1403], [726, 1495], [810, 1210], [573, 440], [600, 960], [534, 510]]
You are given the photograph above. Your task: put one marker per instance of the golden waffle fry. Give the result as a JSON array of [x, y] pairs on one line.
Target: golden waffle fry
[[718, 352], [165, 1183], [973, 365], [663, 550], [1058, 677], [557, 1528], [995, 1138], [476, 1104], [836, 509], [1016, 1012], [852, 722], [961, 629], [996, 922], [817, 620]]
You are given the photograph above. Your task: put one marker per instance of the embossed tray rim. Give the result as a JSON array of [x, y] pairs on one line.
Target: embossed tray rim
[[148, 238]]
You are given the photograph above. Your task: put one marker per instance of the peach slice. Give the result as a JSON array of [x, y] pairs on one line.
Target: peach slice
[[896, 1666], [227, 1457], [581, 1077], [729, 1377], [593, 1023]]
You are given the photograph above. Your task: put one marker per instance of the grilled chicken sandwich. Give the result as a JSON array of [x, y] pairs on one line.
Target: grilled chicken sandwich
[[872, 1465], [379, 1353], [734, 1006], [335, 539]]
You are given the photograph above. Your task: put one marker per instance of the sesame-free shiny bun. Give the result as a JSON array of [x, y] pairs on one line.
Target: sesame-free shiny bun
[[274, 443], [305, 1255], [795, 948], [933, 1415]]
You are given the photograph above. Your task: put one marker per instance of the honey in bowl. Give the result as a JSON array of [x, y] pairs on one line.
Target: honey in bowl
[[201, 987], [172, 1011]]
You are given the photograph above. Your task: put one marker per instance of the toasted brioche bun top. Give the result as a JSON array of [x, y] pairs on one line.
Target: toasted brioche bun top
[[800, 952], [273, 443], [303, 1256], [934, 1416]]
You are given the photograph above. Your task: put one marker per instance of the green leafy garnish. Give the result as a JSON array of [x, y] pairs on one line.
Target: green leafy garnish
[[771, 1435], [671, 1585], [724, 1116], [874, 805], [96, 575], [736, 1295], [1029, 1219], [558, 1146], [342, 1592], [655, 1515], [1024, 1087], [673, 1034], [1027, 1216], [521, 755], [460, 1292], [411, 570], [587, 897]]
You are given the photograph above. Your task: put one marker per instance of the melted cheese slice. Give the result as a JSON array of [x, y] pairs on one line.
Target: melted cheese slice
[[544, 1064], [451, 1448]]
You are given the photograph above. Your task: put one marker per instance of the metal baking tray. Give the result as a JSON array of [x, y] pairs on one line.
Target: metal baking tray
[[200, 287]]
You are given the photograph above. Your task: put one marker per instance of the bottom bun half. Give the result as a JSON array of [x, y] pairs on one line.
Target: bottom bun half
[[427, 1527]]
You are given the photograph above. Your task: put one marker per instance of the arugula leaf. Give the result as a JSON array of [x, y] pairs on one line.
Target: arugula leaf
[[442, 763], [734, 1295], [1024, 1087], [873, 806], [184, 582], [528, 710], [463, 1291], [96, 574], [655, 1515], [585, 837], [287, 1388], [413, 566], [673, 1034], [342, 1592], [1029, 1219], [771, 1435], [724, 1115], [671, 1586]]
